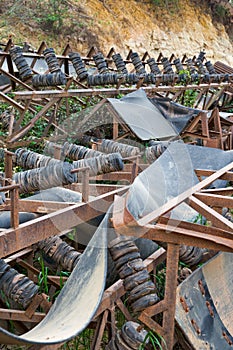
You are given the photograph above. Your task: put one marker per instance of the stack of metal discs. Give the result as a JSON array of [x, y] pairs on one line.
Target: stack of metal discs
[[140, 69], [120, 64], [77, 152], [79, 65], [60, 252], [149, 78], [100, 63], [16, 286], [110, 146], [51, 79], [131, 336], [30, 160], [167, 66], [153, 66], [192, 256], [210, 67], [16, 54], [101, 164], [131, 78], [155, 150], [51, 60], [102, 79], [132, 271], [58, 174], [5, 119], [178, 64]]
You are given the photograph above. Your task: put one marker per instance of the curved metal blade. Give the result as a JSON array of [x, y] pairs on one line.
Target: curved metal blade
[[77, 302]]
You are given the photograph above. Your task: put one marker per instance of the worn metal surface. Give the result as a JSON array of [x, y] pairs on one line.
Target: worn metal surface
[[204, 305], [73, 310], [142, 117]]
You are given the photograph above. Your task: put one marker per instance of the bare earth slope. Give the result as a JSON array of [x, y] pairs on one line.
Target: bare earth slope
[[127, 24]]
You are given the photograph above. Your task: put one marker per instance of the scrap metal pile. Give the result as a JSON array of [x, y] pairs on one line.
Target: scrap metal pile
[[102, 217]]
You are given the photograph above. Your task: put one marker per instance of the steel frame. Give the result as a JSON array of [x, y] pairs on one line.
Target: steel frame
[[218, 237]]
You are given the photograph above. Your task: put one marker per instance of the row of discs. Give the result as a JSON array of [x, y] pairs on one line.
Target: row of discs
[[30, 160], [77, 152], [24, 70], [132, 271], [101, 164], [60, 252], [51, 79], [16, 286], [109, 146], [46, 177], [154, 152]]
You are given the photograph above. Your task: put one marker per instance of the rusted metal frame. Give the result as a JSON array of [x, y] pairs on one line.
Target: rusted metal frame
[[19, 315], [101, 324], [114, 176], [227, 191], [8, 165], [215, 120], [180, 198], [13, 257], [119, 121], [227, 176], [115, 131], [4, 53], [151, 324], [17, 135], [121, 306], [193, 124], [112, 329], [135, 166], [215, 97], [215, 200], [85, 171], [39, 52], [36, 206], [204, 125], [211, 214], [195, 135], [21, 117], [12, 102], [33, 231], [11, 70], [52, 119], [205, 98], [199, 96], [176, 95], [14, 196], [190, 237], [16, 80], [208, 230], [170, 294], [109, 91], [11, 124], [36, 272], [167, 306], [94, 189]]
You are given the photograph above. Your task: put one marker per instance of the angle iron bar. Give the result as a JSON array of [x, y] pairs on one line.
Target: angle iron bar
[[12, 240], [178, 235], [180, 198], [110, 91]]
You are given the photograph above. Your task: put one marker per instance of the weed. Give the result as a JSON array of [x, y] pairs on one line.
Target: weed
[[43, 277], [155, 339]]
